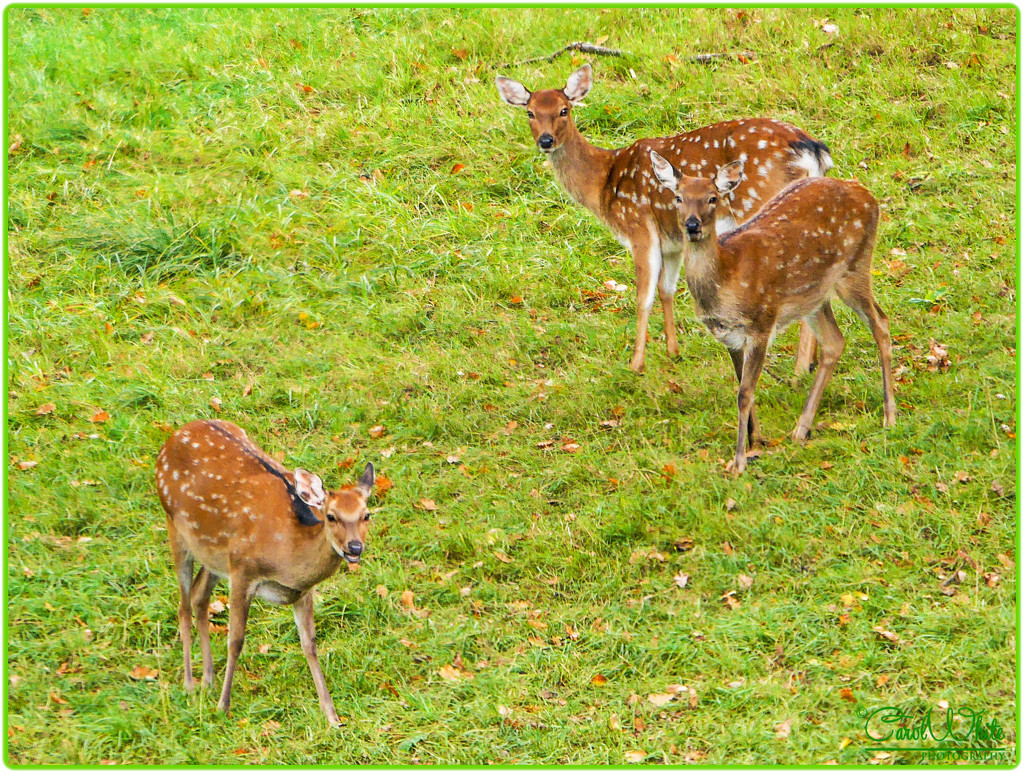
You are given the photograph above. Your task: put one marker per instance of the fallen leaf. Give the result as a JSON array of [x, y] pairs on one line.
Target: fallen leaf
[[613, 722], [382, 591], [599, 680], [730, 505], [450, 673], [681, 579], [427, 504], [146, 673], [382, 485], [881, 681], [458, 168], [408, 599], [516, 300], [782, 729], [215, 403], [991, 579], [377, 431], [27, 465], [460, 54], [887, 635], [830, 29], [847, 695], [502, 557], [660, 699], [571, 447], [669, 471], [744, 581], [727, 548], [100, 417], [635, 756], [45, 409]]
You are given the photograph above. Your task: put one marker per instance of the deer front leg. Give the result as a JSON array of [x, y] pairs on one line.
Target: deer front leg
[[647, 262], [667, 285], [241, 597], [303, 611], [753, 360]]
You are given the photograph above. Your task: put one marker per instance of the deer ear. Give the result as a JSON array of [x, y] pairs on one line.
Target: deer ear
[[513, 92], [729, 176], [664, 171], [366, 481], [579, 84], [309, 487]]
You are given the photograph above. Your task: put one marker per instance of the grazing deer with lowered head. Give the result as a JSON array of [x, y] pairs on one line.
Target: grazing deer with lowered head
[[243, 516], [619, 186], [814, 238]]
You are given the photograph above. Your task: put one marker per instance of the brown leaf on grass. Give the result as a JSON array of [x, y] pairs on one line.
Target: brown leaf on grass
[[731, 504], [991, 579], [377, 431], [382, 591], [408, 599], [881, 681], [635, 757], [611, 423], [382, 485], [783, 728], [1006, 561], [100, 417], [45, 409], [847, 695], [502, 557], [458, 168], [570, 446], [450, 674], [460, 54], [516, 300], [215, 403], [744, 581], [938, 357], [727, 548], [27, 465], [681, 579], [144, 673], [510, 427], [668, 472], [426, 504], [660, 698], [55, 697], [731, 601], [599, 680], [545, 444], [887, 635], [270, 727], [683, 544]]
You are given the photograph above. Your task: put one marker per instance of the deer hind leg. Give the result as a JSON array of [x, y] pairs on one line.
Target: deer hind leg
[[667, 285], [805, 351], [753, 360], [647, 261], [183, 563], [202, 589], [858, 297], [241, 597], [832, 343], [303, 611], [753, 429]]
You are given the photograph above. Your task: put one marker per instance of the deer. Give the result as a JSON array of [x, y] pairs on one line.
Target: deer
[[618, 186], [814, 238], [273, 533]]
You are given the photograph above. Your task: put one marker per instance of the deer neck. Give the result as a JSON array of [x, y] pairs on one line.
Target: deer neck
[[701, 261], [583, 169], [319, 558]]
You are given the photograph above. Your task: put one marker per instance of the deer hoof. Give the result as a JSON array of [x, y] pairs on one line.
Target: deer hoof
[[801, 433], [637, 366]]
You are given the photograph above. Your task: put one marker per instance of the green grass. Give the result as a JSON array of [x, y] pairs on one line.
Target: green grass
[[185, 222]]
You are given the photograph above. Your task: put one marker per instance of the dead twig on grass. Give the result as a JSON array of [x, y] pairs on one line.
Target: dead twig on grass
[[583, 48]]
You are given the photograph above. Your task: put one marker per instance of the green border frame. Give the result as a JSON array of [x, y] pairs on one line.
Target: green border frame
[[5, 268]]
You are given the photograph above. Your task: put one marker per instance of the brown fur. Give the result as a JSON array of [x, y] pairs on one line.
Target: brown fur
[[230, 509], [619, 188], [813, 239]]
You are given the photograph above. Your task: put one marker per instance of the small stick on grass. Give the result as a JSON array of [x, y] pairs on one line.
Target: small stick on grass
[[711, 57], [583, 48]]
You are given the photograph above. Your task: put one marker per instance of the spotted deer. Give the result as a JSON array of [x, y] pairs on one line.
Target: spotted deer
[[618, 186], [815, 237], [243, 516]]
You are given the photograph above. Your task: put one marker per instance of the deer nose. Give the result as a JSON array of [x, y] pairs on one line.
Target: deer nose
[[692, 225], [546, 141], [355, 548]]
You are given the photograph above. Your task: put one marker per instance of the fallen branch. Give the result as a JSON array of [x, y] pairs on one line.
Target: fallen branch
[[709, 58], [583, 48]]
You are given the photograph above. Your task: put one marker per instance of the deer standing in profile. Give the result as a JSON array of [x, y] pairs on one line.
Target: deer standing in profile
[[815, 237], [243, 516], [619, 187]]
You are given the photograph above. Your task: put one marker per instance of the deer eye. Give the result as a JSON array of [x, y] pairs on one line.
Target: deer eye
[[366, 517], [331, 518], [530, 115], [713, 200], [565, 111], [679, 199]]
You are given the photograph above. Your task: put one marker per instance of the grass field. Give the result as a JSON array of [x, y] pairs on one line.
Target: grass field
[[315, 222]]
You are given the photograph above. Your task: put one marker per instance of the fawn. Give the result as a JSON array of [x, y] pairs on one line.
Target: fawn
[[618, 186], [241, 515], [782, 265]]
